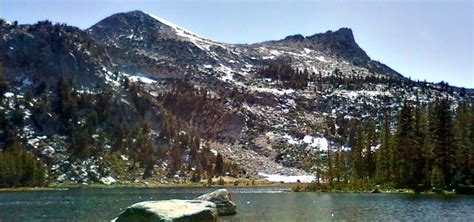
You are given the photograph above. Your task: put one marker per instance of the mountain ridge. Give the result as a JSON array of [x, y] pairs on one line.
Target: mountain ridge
[[340, 43], [135, 99]]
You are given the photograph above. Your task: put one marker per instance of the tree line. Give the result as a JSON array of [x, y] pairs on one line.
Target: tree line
[[285, 75], [19, 167], [427, 147]]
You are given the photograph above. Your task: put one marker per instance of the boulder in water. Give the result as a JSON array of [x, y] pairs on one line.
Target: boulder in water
[[222, 199], [170, 210]]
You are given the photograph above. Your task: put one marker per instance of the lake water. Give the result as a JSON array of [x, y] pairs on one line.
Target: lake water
[[253, 204]]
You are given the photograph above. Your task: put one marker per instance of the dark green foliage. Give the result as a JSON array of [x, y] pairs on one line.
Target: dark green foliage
[[18, 116], [403, 140], [119, 140], [19, 167], [358, 171], [432, 146], [369, 155], [3, 82], [330, 171], [464, 143], [384, 153], [443, 143], [282, 72], [340, 168], [218, 169], [80, 144], [420, 149]]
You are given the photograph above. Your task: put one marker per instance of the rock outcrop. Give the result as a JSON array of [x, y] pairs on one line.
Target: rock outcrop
[[223, 202], [170, 210]]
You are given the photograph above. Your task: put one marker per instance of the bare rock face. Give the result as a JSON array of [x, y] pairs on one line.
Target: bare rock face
[[170, 210], [223, 202]]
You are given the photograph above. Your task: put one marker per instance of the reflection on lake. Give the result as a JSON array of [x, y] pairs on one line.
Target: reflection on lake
[[253, 204]]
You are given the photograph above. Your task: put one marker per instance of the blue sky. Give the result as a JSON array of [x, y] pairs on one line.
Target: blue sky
[[423, 39]]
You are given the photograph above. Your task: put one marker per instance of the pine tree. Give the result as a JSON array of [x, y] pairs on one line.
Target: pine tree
[[357, 159], [2, 169], [19, 167], [443, 144], [428, 145], [330, 173], [317, 165], [340, 169], [18, 116], [175, 160], [66, 105], [194, 148], [368, 153], [119, 139], [383, 153], [80, 143], [462, 131], [351, 137], [3, 82], [149, 158], [418, 162], [197, 174], [404, 145], [470, 160], [218, 170]]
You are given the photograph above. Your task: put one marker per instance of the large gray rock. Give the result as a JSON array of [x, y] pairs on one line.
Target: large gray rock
[[170, 210], [222, 199]]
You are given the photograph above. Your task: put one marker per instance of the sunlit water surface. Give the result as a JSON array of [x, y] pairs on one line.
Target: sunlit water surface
[[254, 204]]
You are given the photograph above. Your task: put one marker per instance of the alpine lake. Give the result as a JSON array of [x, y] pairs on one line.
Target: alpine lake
[[253, 204]]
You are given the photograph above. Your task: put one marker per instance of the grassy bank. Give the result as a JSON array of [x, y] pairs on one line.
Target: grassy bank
[[228, 182], [216, 182], [387, 190]]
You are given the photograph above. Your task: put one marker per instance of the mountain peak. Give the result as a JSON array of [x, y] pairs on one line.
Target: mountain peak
[[143, 30], [344, 33], [139, 23], [127, 23], [133, 13], [143, 17], [342, 43], [297, 37], [127, 16]]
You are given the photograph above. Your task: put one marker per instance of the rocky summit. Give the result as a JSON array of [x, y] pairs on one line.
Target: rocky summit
[[136, 99]]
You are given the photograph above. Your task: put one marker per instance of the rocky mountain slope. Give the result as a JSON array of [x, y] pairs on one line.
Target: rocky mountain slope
[[267, 108]]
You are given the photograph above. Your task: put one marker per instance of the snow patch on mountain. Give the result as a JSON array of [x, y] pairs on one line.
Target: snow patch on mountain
[[360, 93], [142, 79], [275, 91], [287, 179], [8, 94], [179, 29], [321, 58], [228, 72], [201, 42], [316, 142]]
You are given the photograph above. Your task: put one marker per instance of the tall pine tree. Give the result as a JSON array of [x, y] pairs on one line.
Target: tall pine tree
[[383, 153], [443, 145]]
